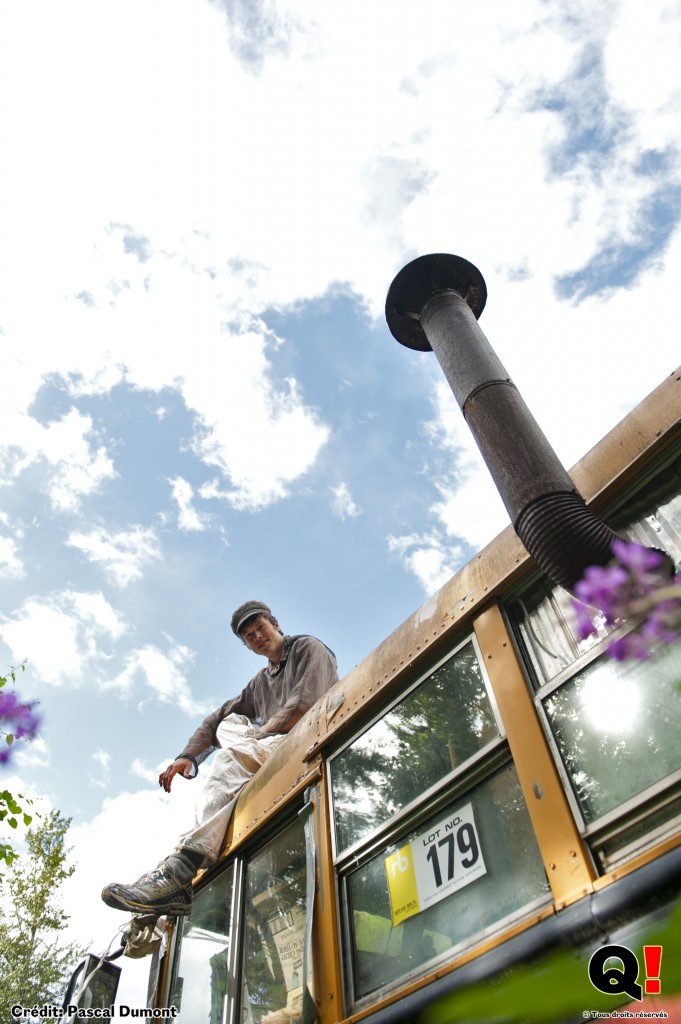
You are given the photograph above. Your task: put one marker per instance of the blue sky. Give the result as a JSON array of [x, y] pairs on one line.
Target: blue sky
[[203, 205]]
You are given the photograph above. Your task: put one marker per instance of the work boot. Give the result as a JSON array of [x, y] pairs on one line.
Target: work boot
[[166, 889]]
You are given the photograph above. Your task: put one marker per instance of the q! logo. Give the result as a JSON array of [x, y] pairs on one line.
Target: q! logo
[[622, 977]]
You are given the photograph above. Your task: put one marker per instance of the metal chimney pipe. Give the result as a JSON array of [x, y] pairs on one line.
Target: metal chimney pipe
[[433, 304]]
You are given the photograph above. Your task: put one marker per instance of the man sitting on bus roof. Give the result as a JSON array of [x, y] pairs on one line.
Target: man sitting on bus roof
[[247, 728]]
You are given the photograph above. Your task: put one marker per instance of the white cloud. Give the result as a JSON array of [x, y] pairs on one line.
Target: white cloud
[[428, 557], [143, 771], [172, 259], [123, 555], [31, 753], [655, 96], [188, 517], [162, 672], [264, 438], [172, 322], [74, 467], [102, 760], [11, 565], [63, 635], [471, 510], [343, 503]]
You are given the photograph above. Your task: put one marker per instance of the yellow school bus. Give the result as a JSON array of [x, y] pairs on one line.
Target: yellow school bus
[[482, 788]]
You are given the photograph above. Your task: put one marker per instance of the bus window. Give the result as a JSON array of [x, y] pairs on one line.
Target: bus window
[[616, 730], [464, 872], [199, 980], [274, 931], [613, 726], [442, 723]]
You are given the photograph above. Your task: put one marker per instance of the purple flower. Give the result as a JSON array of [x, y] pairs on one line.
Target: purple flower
[[8, 704], [637, 558], [27, 722], [600, 587], [630, 646], [17, 720], [635, 588]]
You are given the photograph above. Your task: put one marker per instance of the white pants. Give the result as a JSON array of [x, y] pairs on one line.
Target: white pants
[[237, 761]]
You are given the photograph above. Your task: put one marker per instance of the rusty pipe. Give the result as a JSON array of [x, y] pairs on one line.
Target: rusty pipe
[[434, 304]]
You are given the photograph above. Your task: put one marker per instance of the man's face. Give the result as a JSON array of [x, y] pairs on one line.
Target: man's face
[[263, 637]]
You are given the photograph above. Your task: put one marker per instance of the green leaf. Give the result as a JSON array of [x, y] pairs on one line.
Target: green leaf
[[8, 854], [12, 822], [9, 739], [28, 818]]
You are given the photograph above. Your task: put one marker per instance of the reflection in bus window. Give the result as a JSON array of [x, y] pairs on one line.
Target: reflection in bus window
[[617, 728], [546, 626], [199, 982], [415, 745], [479, 865], [274, 931]]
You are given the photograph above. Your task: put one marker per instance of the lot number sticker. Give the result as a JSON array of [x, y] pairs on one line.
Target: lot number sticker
[[435, 864]]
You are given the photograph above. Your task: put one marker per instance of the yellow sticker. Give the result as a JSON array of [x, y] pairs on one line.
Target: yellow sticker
[[404, 897], [443, 859]]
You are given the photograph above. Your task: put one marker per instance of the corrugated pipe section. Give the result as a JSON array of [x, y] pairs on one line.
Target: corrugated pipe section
[[564, 536], [433, 304]]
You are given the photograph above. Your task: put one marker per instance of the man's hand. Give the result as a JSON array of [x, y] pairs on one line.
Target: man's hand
[[182, 765]]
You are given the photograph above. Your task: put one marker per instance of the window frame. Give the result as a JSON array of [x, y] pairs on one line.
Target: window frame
[[619, 815], [238, 862], [175, 945], [451, 788], [350, 853], [631, 513], [348, 953], [290, 816]]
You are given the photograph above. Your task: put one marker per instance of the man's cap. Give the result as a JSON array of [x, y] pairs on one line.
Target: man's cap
[[247, 611]]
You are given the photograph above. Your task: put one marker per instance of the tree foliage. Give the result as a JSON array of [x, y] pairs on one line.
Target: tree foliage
[[34, 960]]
